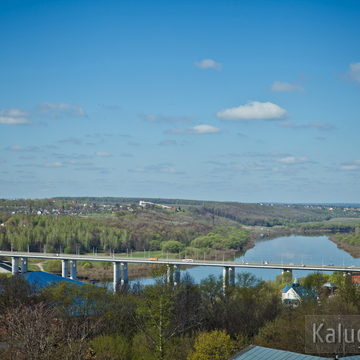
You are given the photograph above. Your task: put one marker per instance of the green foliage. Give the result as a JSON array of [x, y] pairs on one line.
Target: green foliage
[[229, 237], [214, 345], [352, 238], [315, 281], [66, 233], [160, 322], [172, 246], [111, 347], [155, 317]]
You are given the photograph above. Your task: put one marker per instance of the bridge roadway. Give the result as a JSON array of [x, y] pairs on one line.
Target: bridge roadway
[[120, 265]]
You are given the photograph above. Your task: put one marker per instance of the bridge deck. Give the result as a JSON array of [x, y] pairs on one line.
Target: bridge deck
[[192, 262]]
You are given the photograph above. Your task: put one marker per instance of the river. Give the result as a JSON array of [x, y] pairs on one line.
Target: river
[[294, 249]]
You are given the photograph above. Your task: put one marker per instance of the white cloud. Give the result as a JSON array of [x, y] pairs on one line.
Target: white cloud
[[280, 86], [354, 72], [102, 154], [253, 110], [61, 110], [351, 166], [13, 117], [204, 129], [292, 160], [197, 129], [55, 164], [208, 64], [16, 148]]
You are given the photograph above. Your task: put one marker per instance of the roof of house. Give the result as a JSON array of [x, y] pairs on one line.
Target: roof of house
[[300, 290], [262, 353], [42, 279], [329, 285]]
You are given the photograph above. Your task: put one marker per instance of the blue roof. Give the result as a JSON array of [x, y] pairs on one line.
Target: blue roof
[[42, 279], [262, 353], [300, 290]]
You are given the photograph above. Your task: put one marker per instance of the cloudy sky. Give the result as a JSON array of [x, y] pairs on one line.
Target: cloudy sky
[[218, 100]]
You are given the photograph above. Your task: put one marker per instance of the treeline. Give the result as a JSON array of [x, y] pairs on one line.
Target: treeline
[[68, 234], [186, 322], [333, 227], [149, 230], [269, 215]]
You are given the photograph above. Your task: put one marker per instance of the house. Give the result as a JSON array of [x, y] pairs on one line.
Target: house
[[355, 279], [148, 204], [295, 293], [261, 353], [329, 288]]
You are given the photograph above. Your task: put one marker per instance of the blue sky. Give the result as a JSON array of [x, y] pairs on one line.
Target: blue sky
[[220, 100]]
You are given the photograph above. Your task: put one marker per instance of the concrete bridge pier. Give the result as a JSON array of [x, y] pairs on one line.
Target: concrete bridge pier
[[124, 275], [65, 268], [14, 265], [232, 276], [176, 270], [169, 274], [228, 277], [73, 269], [173, 274], [24, 265], [117, 274]]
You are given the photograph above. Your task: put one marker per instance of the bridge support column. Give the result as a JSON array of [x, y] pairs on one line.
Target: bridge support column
[[65, 268], [232, 276], [225, 278], [124, 275], [173, 274], [73, 269], [116, 280], [169, 274], [228, 277], [176, 274], [24, 266], [14, 265]]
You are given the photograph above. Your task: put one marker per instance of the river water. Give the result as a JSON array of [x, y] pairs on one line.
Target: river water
[[294, 249]]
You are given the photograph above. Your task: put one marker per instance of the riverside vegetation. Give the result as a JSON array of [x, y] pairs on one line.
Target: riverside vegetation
[[184, 228]]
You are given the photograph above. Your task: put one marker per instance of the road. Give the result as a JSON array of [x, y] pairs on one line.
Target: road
[[192, 262]]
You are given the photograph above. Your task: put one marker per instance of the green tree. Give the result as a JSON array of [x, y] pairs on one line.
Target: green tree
[[172, 246], [155, 318], [214, 345]]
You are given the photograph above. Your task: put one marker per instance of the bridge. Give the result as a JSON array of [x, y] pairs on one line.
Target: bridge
[[19, 264]]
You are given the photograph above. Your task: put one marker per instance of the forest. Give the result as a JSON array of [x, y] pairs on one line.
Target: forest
[[157, 322]]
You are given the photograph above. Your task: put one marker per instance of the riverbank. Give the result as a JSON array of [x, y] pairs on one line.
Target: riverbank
[[353, 250]]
